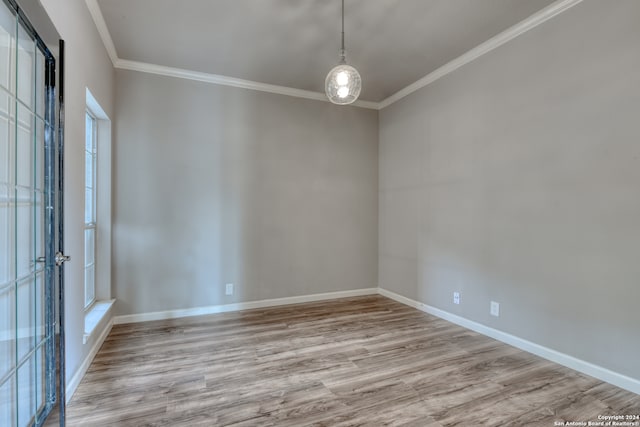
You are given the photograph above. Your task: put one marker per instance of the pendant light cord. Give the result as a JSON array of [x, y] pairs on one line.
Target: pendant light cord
[[342, 51]]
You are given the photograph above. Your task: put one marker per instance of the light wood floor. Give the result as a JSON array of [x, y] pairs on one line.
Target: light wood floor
[[351, 362]]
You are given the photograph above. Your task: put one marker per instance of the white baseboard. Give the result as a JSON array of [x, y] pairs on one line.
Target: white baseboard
[[604, 374], [213, 309], [73, 384]]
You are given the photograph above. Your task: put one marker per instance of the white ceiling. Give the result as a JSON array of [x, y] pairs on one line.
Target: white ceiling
[[294, 43]]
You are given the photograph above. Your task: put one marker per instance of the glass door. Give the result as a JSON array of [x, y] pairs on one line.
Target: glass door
[[27, 222]]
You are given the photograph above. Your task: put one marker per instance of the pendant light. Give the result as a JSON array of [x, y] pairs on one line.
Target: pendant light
[[343, 83]]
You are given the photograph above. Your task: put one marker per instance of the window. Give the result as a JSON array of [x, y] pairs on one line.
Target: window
[[90, 223], [97, 218]]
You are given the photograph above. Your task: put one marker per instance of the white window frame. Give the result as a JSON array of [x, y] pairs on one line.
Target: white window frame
[[92, 224], [95, 314]]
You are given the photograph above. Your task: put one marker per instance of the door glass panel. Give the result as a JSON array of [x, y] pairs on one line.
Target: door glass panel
[[24, 232], [40, 379], [27, 364], [25, 156], [26, 395], [7, 39], [39, 307], [7, 332], [6, 237], [6, 120], [39, 238], [8, 403], [26, 317], [26, 68]]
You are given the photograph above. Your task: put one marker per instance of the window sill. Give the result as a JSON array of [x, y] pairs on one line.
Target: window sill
[[94, 316]]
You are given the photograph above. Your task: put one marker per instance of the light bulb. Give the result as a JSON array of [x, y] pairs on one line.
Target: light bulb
[[343, 92], [342, 78], [343, 84]]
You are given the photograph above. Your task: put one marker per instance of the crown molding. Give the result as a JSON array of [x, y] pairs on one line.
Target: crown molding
[[493, 43], [125, 64], [162, 70], [101, 25], [509, 34]]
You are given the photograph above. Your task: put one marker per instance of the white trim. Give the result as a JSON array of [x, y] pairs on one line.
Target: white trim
[[604, 374], [92, 318], [73, 384], [101, 26], [212, 309], [509, 34], [218, 79], [401, 299]]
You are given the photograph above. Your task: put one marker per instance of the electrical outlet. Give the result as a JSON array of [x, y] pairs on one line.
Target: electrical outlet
[[456, 297], [495, 308], [228, 289]]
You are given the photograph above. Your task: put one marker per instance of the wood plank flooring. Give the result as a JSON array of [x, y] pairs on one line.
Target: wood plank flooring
[[365, 361]]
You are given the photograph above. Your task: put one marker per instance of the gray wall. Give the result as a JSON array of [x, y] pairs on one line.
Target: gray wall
[[517, 179], [216, 185]]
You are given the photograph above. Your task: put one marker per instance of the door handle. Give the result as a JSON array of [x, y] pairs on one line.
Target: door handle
[[61, 258]]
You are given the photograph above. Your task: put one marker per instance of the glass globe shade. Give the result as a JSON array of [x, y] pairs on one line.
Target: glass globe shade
[[343, 84]]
